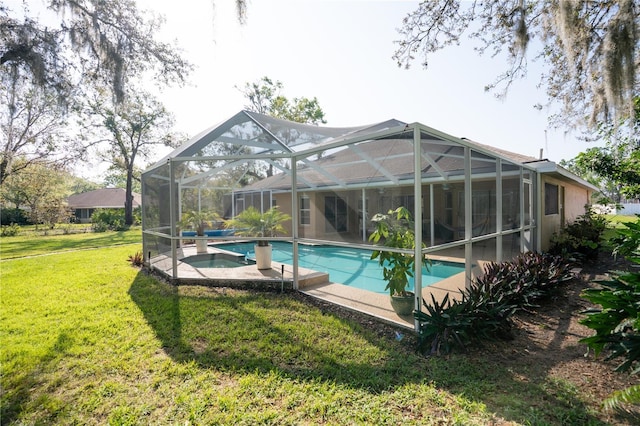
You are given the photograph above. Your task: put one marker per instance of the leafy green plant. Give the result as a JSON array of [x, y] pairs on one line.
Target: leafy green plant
[[442, 326], [198, 220], [617, 320], [10, 230], [251, 223], [627, 241], [395, 229], [108, 219], [630, 395], [99, 226], [486, 307], [581, 239], [136, 259], [528, 278]]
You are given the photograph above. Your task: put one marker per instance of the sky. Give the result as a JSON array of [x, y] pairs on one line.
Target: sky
[[341, 53]]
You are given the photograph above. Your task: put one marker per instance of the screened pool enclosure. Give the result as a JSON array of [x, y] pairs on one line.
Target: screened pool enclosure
[[470, 202]]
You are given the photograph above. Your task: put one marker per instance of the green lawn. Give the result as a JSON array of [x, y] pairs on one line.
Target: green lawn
[[88, 339], [29, 245], [616, 222]]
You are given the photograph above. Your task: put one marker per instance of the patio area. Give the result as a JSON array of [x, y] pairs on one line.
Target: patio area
[[312, 283]]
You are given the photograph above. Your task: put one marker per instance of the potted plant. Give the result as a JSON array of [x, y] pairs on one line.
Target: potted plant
[[251, 223], [395, 229], [198, 220]]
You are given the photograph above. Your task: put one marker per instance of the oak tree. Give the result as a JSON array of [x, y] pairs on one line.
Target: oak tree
[[590, 48]]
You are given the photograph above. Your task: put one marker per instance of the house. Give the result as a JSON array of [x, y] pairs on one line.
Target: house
[[83, 205], [474, 201]]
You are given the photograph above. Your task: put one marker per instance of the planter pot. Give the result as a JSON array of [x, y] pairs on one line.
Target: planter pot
[[201, 246], [263, 256], [403, 305]]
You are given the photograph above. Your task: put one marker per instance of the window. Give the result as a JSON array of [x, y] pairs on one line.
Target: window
[[550, 199], [305, 210]]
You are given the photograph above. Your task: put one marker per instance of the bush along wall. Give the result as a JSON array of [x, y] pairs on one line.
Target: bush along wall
[[580, 240], [485, 309]]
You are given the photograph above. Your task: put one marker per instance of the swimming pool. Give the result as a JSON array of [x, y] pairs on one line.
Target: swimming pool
[[348, 266], [217, 260]]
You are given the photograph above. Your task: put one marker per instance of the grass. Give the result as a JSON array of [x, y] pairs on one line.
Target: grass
[[87, 339], [28, 245], [616, 222]]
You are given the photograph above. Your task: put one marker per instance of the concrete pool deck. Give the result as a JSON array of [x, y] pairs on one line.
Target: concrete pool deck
[[312, 283]]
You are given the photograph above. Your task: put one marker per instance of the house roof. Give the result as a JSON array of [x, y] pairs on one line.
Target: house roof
[[380, 153], [391, 161], [106, 198]]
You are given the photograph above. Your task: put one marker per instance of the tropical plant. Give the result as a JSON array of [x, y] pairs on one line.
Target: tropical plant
[[136, 259], [525, 280], [198, 220], [617, 320], [627, 241], [485, 309], [396, 231], [251, 223]]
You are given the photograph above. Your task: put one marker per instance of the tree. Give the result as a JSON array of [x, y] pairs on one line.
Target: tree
[[609, 189], [32, 128], [45, 70], [133, 129], [117, 178], [591, 48], [107, 42], [264, 97], [619, 161], [43, 189]]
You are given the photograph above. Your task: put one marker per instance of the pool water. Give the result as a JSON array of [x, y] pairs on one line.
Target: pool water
[[216, 260], [348, 266]]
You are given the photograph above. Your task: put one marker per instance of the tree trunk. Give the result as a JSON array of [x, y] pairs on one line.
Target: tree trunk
[[128, 200]]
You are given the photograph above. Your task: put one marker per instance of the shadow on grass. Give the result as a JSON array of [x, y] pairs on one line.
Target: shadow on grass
[[250, 332], [39, 245], [20, 394]]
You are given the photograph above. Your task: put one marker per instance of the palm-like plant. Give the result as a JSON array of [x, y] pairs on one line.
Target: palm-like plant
[[251, 223], [198, 220]]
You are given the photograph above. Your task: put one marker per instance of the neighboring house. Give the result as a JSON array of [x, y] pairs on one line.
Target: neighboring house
[[83, 205]]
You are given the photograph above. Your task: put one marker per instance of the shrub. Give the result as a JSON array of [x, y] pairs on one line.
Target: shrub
[[99, 227], [136, 259], [13, 215], [108, 219], [530, 277], [486, 308], [581, 239], [10, 230]]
